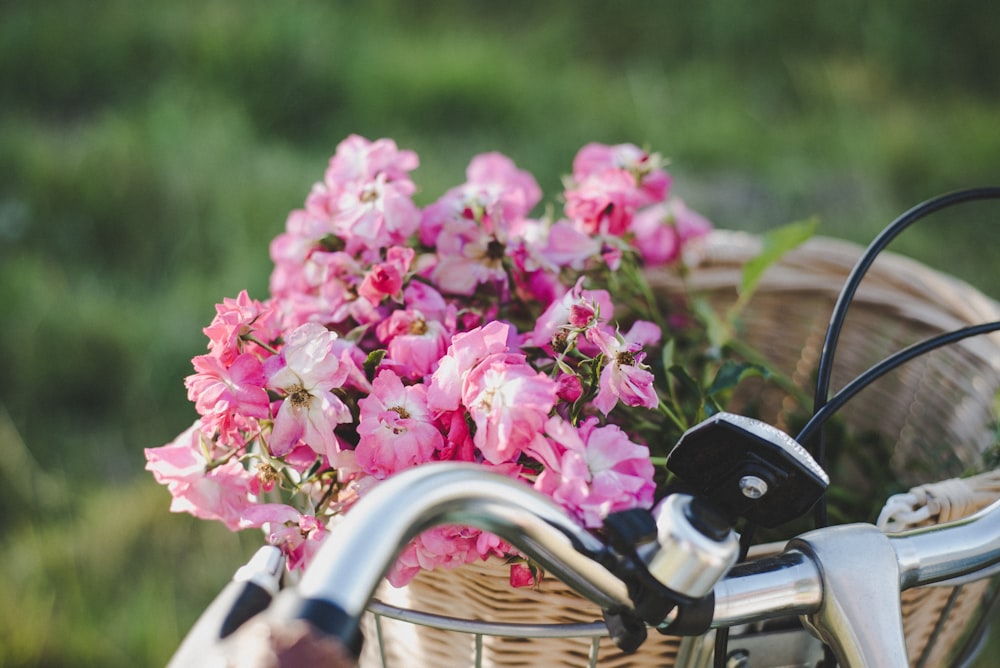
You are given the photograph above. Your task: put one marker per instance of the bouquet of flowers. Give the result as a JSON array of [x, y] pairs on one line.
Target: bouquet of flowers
[[467, 330]]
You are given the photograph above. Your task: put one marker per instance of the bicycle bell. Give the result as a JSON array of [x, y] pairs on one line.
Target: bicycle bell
[[734, 467], [673, 555]]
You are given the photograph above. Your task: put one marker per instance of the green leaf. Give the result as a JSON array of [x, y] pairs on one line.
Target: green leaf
[[712, 406], [667, 353], [776, 243], [732, 373], [716, 329], [372, 361], [357, 333], [690, 384]]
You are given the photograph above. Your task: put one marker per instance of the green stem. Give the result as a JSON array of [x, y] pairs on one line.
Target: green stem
[[216, 463], [782, 381], [327, 494], [652, 305], [674, 417], [253, 339]]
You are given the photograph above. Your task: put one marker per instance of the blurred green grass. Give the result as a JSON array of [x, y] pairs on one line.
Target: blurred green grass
[[147, 157]]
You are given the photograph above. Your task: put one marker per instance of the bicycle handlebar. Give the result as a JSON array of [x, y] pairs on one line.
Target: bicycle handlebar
[[465, 494], [844, 581]]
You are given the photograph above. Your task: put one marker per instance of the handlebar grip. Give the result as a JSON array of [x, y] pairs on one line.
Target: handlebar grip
[[235, 604], [266, 642], [248, 593]]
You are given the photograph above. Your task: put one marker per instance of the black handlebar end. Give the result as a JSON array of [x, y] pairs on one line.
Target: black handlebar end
[[325, 616]]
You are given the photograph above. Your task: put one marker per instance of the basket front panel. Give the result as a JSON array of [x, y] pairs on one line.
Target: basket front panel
[[481, 591]]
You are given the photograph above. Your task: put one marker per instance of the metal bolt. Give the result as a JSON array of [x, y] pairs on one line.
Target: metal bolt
[[753, 487]]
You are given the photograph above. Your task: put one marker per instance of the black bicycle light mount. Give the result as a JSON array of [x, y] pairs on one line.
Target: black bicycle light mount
[[747, 468], [733, 467]]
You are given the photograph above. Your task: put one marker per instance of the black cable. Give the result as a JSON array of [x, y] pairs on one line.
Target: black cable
[[847, 392], [824, 408], [722, 634], [825, 368], [721, 652]]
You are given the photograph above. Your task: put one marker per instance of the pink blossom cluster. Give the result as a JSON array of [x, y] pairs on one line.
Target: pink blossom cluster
[[466, 330]]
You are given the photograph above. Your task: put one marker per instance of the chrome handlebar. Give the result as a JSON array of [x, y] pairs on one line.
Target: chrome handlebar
[[400, 508], [843, 581]]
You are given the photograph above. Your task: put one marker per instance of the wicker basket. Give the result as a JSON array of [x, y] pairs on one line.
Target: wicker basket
[[937, 411]]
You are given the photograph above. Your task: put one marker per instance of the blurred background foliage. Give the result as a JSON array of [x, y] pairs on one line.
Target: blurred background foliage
[[148, 154]]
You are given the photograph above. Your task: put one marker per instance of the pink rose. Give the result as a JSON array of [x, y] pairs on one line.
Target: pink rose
[[236, 320], [505, 397], [662, 231], [306, 373], [578, 308], [385, 279], [593, 471], [414, 343], [395, 428], [297, 535], [220, 493], [624, 377], [509, 402]]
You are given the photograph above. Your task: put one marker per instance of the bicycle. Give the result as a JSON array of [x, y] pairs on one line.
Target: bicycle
[[817, 576], [676, 574]]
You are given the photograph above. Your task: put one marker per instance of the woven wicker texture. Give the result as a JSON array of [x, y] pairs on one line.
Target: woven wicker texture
[[481, 591], [936, 410], [935, 619]]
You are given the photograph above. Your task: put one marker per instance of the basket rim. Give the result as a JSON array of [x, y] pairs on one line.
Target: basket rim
[[822, 257], [595, 629]]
